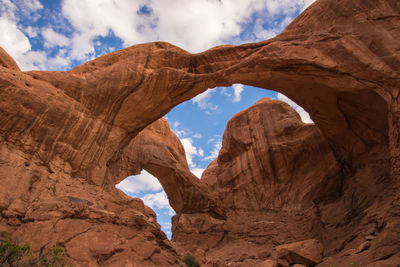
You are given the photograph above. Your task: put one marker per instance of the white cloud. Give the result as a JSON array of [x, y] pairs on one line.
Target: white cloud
[[197, 135], [93, 18], [28, 6], [237, 92], [224, 91], [32, 31], [145, 183], [198, 172], [264, 34], [17, 44], [214, 153], [197, 25], [191, 151], [53, 39], [305, 117], [200, 152], [202, 100], [12, 39], [158, 201], [194, 25], [7, 10], [140, 183], [176, 124]]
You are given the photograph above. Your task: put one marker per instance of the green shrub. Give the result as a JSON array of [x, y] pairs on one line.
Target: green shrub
[[12, 255], [191, 261]]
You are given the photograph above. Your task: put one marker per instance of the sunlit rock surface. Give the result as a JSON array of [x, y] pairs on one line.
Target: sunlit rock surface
[[66, 139]]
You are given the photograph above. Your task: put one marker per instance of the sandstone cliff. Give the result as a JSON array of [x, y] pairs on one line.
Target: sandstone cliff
[[270, 160], [66, 138]]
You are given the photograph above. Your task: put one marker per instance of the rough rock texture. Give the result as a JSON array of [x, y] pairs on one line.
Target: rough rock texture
[[46, 205], [307, 252], [271, 172], [66, 138], [270, 159], [161, 153]]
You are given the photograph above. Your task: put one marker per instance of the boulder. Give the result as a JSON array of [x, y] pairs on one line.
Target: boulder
[[307, 252]]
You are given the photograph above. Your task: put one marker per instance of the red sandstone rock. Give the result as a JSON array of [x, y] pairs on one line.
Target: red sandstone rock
[[65, 142], [7, 62], [268, 263], [158, 150], [271, 160], [307, 252]]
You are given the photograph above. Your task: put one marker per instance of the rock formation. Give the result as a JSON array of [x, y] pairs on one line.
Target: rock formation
[[66, 138], [46, 205], [270, 160]]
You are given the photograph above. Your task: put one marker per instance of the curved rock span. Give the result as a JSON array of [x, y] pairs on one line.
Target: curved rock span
[[66, 138]]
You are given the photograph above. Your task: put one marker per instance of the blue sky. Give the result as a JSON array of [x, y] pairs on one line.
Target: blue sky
[[58, 35]]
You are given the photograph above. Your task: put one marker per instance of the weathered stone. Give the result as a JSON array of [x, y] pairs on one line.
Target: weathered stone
[[268, 263], [307, 252], [270, 159], [66, 139]]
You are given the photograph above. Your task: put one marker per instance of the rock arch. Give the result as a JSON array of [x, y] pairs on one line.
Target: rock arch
[[339, 60], [159, 151], [314, 62]]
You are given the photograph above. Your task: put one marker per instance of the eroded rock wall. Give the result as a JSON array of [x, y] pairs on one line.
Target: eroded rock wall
[[271, 160], [47, 205], [65, 134]]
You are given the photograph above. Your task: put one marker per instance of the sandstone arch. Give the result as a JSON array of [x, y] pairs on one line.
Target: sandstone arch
[[72, 130], [315, 62], [159, 151]]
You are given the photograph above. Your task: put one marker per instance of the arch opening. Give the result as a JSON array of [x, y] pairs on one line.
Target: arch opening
[[199, 124], [147, 187]]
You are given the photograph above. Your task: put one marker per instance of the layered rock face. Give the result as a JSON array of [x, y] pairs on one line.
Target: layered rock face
[[66, 138], [270, 160], [46, 205], [279, 182]]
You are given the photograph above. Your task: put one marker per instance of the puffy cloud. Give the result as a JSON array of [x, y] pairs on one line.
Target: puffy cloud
[[140, 183], [191, 151], [193, 25], [264, 34], [202, 100], [28, 6], [217, 147], [198, 25], [17, 44], [32, 31], [305, 117], [12, 39], [198, 172], [7, 10], [93, 18], [158, 201], [237, 92], [54, 39], [147, 183]]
